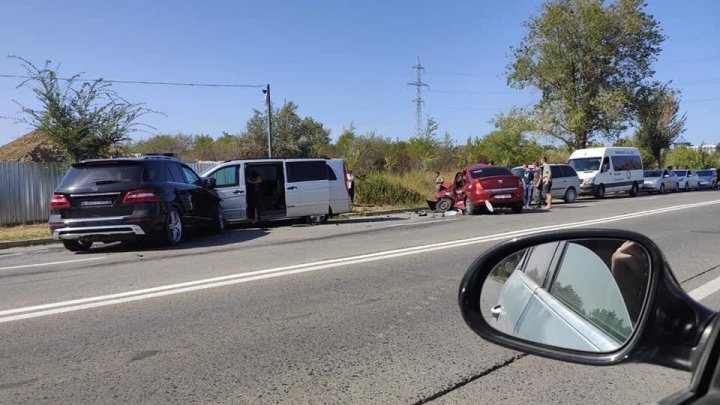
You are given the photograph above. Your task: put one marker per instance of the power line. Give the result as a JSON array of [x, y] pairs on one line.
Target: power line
[[147, 82]]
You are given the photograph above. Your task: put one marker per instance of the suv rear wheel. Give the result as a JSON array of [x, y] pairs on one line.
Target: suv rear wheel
[[77, 245], [173, 228]]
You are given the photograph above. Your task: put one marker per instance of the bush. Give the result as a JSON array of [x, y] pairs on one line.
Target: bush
[[378, 189]]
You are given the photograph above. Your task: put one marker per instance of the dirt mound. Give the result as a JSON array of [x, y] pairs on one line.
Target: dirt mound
[[31, 147]]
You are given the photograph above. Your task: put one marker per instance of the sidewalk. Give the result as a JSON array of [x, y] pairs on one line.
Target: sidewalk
[[370, 212]]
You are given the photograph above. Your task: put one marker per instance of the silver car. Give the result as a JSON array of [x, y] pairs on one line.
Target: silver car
[[563, 294], [687, 179], [565, 181], [708, 178], [660, 181]]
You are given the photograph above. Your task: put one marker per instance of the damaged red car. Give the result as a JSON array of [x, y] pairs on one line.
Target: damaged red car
[[480, 188]]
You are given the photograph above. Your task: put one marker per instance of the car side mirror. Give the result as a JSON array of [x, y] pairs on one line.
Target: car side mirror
[[209, 182], [591, 296]]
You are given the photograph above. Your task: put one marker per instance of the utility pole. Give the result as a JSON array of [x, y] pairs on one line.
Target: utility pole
[[269, 114], [418, 83]]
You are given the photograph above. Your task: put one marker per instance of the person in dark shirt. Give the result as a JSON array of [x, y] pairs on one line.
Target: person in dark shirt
[[254, 185]]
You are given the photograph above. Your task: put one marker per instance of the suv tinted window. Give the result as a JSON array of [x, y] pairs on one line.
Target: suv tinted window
[[175, 172], [568, 171], [191, 177], [101, 173], [306, 171], [490, 171], [155, 172]]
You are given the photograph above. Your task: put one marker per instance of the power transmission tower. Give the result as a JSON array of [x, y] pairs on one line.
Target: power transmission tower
[[418, 83]]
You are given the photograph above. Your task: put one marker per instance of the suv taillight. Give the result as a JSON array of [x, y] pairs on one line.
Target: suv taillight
[[140, 196], [59, 201]]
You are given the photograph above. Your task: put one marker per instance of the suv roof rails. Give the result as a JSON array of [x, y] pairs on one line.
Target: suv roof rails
[[168, 156]]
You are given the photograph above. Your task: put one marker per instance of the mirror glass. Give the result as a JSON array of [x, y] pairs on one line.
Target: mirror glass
[[581, 294]]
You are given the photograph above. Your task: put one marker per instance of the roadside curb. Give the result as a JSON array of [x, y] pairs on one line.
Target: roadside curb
[[382, 212], [27, 242]]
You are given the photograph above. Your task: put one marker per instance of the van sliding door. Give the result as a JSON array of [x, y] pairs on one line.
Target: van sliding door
[[306, 188]]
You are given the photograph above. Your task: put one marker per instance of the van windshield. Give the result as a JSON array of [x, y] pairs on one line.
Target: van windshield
[[585, 164]]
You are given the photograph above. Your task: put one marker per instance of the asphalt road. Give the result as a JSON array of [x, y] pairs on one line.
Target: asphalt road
[[350, 312]]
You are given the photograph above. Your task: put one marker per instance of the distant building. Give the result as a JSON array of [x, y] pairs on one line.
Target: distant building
[[707, 147], [679, 142]]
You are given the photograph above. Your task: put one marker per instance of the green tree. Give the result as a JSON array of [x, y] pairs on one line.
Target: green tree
[[509, 144], [659, 123], [587, 59], [292, 136], [181, 145], [86, 119]]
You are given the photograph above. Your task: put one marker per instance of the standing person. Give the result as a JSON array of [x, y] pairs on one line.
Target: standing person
[[438, 182], [254, 182], [350, 180], [547, 183], [537, 183], [528, 180]]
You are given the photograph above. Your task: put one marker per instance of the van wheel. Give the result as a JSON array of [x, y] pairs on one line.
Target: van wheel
[[600, 192], [444, 204], [570, 196], [687, 187], [469, 207], [634, 190], [173, 228], [77, 245]]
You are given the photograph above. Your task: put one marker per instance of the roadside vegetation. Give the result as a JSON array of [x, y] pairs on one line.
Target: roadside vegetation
[[24, 232]]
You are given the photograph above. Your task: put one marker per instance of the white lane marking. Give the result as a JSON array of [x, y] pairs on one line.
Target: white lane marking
[[136, 295], [705, 290], [11, 255], [52, 263]]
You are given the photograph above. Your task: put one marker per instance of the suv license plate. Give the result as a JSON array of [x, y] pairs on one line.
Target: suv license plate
[[503, 196], [94, 203]]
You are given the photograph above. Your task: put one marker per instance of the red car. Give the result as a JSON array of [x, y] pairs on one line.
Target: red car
[[478, 184]]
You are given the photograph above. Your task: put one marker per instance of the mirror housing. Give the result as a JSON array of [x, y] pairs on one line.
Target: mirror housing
[[209, 182], [669, 330]]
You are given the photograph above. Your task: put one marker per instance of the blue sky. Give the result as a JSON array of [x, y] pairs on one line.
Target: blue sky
[[340, 61]]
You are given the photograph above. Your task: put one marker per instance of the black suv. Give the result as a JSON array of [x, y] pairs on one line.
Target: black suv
[[109, 200]]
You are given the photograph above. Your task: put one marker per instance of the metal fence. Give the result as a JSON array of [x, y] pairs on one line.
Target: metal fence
[[26, 189]]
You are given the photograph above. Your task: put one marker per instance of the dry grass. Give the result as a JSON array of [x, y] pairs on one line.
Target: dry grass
[[23, 232]]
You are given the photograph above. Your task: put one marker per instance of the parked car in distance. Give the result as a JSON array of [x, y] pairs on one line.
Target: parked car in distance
[[707, 178], [687, 179], [565, 181], [479, 184], [660, 180], [290, 188], [110, 200]]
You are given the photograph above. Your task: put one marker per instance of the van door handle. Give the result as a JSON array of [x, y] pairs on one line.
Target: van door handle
[[238, 192], [292, 188]]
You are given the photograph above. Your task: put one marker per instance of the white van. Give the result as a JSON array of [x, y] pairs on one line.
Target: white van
[[608, 170], [290, 188]]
